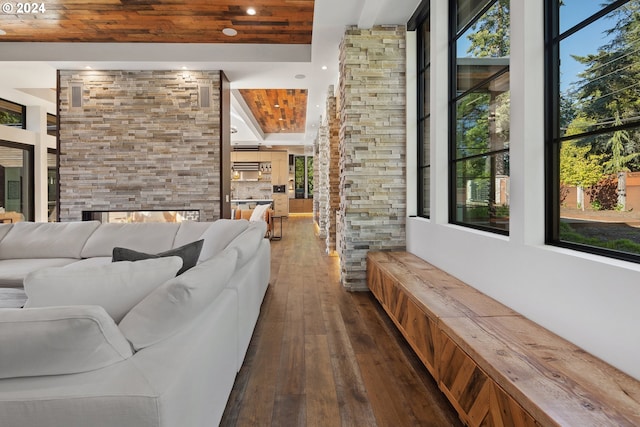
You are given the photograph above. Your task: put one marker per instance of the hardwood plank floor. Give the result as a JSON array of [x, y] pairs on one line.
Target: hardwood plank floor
[[322, 356]]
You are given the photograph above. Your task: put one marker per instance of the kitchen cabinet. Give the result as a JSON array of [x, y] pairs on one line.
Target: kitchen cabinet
[[278, 160], [279, 168], [301, 205], [280, 204]]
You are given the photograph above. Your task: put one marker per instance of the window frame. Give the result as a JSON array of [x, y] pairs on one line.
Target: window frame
[[420, 18], [553, 138], [454, 35]]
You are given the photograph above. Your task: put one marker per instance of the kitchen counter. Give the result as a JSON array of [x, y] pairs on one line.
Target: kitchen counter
[[249, 203], [260, 201]]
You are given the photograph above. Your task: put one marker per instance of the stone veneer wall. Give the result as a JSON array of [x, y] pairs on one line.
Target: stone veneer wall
[[372, 147], [140, 140], [322, 183]]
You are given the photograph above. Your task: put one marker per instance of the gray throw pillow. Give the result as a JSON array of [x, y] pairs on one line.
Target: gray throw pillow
[[189, 254]]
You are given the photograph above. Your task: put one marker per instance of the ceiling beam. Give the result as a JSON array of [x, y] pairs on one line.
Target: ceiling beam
[[155, 52]]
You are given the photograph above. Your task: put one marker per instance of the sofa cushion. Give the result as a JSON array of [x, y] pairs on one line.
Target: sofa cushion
[[58, 340], [4, 229], [189, 254], [46, 239], [90, 262], [247, 243], [259, 213], [142, 237], [179, 301], [13, 271], [219, 235], [190, 231], [117, 286]]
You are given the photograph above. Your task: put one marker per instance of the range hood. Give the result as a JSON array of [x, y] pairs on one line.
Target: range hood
[[245, 166]]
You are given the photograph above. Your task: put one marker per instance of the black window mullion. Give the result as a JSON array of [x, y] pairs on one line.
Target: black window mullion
[[419, 21]]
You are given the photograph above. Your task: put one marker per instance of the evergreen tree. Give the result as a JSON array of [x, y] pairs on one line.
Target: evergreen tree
[[608, 92], [490, 35]]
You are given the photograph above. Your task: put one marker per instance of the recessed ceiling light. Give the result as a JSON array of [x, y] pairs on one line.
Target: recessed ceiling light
[[300, 76], [251, 11], [318, 105], [324, 67], [281, 119], [277, 105], [229, 32], [88, 67], [184, 67]]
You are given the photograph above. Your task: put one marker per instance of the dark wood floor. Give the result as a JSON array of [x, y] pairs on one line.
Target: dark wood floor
[[321, 356]]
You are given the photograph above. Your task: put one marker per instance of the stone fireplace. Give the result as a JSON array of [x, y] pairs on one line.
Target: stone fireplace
[[141, 216], [135, 141]]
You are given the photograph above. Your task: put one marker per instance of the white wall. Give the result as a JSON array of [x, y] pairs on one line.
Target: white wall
[[592, 301]]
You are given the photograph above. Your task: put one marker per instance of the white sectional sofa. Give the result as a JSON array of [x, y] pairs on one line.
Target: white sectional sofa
[[171, 360]]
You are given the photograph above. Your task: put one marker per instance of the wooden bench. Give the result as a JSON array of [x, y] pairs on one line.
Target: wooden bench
[[496, 367]]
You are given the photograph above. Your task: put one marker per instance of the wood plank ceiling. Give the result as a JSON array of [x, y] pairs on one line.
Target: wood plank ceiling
[[278, 110], [159, 21], [177, 21]]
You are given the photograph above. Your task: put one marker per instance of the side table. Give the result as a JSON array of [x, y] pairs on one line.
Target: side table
[[275, 236]]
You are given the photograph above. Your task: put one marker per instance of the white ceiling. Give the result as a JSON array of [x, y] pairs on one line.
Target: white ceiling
[[28, 68]]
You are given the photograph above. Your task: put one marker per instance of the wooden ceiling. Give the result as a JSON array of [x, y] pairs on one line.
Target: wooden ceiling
[[278, 110], [160, 21]]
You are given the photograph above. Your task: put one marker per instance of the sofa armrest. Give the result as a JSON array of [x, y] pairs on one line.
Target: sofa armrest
[[246, 214], [58, 340]]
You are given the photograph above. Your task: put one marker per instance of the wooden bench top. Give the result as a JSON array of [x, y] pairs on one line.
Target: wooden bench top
[[554, 380]]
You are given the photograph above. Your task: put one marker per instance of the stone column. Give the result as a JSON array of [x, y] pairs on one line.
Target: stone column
[[334, 169], [372, 147], [322, 185]]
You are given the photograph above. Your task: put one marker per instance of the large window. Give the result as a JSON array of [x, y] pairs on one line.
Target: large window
[[16, 183], [593, 124], [479, 114], [421, 23], [12, 114]]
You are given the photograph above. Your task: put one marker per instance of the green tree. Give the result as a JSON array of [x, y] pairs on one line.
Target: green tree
[[580, 168], [608, 92], [618, 143], [490, 35], [7, 118]]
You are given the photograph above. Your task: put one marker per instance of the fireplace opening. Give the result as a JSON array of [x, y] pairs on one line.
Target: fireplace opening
[[121, 216]]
